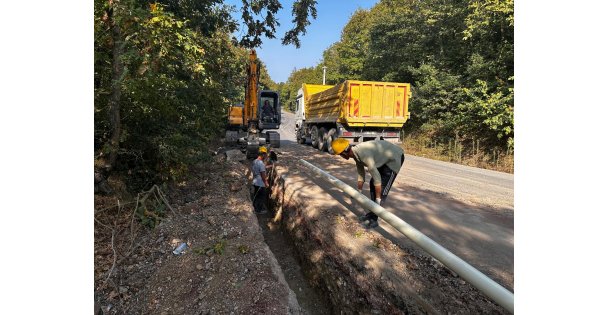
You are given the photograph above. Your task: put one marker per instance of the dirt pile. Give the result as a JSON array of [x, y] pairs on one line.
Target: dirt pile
[[227, 268]]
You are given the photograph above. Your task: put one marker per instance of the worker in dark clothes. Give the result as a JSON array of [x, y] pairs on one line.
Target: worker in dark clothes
[[383, 160], [267, 111]]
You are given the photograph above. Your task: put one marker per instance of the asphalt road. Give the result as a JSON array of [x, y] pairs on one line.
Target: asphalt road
[[467, 210]]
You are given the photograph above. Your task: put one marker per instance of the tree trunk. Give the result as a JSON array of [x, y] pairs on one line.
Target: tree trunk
[[116, 93]]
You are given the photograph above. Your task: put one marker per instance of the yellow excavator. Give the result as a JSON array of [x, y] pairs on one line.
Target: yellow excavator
[[251, 125]]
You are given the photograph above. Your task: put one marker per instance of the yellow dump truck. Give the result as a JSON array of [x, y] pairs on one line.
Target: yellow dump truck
[[355, 110]]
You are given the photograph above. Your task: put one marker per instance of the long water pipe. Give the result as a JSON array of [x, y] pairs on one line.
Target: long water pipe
[[482, 282]]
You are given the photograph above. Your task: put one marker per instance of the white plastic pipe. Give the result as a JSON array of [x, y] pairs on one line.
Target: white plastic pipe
[[482, 282]]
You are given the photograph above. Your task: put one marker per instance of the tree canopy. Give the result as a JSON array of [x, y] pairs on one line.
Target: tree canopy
[[166, 72]]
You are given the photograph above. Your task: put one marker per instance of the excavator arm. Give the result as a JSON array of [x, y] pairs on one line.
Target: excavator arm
[[251, 92]]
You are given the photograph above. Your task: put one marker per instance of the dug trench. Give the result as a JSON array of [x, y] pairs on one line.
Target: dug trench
[[307, 256], [349, 269]]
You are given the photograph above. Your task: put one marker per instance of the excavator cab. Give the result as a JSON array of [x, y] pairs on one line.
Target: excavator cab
[[269, 110]]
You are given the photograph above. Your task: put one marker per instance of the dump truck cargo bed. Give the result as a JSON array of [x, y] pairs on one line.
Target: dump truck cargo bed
[[361, 104]]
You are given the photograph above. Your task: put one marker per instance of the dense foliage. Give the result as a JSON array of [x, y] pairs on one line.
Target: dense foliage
[[165, 73], [458, 56]]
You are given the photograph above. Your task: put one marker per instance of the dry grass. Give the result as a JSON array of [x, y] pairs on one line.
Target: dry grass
[[461, 154]]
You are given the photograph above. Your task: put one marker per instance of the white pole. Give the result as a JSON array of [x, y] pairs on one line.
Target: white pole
[[482, 282], [324, 67]]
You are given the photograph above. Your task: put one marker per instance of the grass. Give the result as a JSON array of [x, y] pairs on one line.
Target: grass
[[244, 249], [469, 153], [377, 243], [218, 248]]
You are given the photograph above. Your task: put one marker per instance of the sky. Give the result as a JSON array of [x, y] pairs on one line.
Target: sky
[[323, 31]]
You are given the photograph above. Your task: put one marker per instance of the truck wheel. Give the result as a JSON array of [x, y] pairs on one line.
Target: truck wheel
[[299, 138], [331, 136], [314, 136], [322, 143]]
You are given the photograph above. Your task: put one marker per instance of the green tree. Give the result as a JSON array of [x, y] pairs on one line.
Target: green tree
[[165, 73], [490, 34], [487, 115], [353, 46], [259, 24], [331, 60]]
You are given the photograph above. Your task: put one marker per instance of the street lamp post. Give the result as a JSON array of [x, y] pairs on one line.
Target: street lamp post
[[324, 67]]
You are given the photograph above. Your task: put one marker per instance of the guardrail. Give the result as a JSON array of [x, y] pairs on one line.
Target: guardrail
[[482, 282]]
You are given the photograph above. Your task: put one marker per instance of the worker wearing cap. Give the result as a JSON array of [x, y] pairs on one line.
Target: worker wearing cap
[[260, 182], [383, 160]]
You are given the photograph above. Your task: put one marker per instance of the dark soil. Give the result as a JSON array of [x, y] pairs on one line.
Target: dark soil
[[311, 300]]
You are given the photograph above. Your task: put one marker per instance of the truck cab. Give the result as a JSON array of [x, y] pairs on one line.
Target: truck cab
[[299, 110]]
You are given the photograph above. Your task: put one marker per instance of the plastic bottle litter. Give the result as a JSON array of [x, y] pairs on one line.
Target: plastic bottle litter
[[180, 249]]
